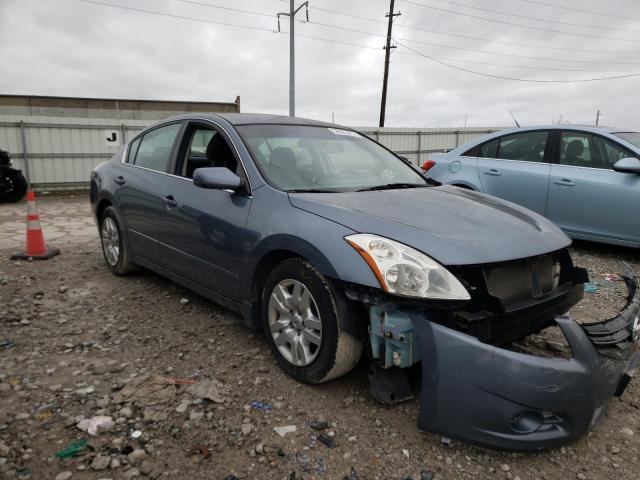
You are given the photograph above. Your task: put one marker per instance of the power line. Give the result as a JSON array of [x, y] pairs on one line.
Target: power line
[[427, 30], [580, 10], [237, 10], [437, 32], [181, 17], [537, 19], [501, 54], [528, 80], [504, 22], [467, 37], [457, 60], [416, 52]]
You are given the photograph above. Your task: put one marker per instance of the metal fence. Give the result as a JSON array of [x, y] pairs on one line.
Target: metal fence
[[417, 143], [58, 153]]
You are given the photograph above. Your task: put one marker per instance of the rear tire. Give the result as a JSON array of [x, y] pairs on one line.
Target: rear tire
[[301, 320], [13, 185], [114, 249]]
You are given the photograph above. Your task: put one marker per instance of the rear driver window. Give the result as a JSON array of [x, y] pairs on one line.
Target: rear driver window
[[525, 146], [155, 148]]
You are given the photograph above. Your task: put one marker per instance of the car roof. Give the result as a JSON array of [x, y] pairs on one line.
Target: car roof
[[255, 119], [584, 128], [606, 131]]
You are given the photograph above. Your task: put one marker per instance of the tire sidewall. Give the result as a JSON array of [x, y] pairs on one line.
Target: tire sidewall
[[19, 185], [324, 296]]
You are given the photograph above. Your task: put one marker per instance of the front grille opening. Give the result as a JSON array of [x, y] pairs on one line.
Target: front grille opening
[[512, 300], [531, 278]]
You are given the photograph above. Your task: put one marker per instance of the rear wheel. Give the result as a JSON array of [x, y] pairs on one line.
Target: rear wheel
[[301, 319], [113, 245]]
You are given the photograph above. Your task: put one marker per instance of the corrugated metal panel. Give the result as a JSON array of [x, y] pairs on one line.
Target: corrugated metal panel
[[416, 144], [62, 151]]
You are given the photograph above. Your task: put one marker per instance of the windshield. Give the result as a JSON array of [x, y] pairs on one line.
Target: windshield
[[306, 158], [632, 137]]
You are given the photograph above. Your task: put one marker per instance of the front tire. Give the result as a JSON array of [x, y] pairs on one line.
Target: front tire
[[114, 247], [301, 320]]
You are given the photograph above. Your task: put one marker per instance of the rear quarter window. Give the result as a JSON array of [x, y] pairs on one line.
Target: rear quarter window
[[133, 149], [486, 150]]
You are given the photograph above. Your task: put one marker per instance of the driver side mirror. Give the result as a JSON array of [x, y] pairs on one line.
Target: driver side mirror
[[627, 165], [218, 178]]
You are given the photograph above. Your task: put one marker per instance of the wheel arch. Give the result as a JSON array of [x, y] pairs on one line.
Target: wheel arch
[[274, 250], [101, 207]]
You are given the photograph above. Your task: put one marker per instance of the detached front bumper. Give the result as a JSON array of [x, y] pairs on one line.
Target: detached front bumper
[[494, 397]]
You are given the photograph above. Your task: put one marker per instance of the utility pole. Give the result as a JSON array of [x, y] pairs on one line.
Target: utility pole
[[597, 117], [387, 53], [292, 51]]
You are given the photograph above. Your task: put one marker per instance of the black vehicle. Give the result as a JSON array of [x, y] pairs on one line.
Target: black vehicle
[[13, 185]]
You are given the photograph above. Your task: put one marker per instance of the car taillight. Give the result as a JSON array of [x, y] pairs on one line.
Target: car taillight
[[427, 165]]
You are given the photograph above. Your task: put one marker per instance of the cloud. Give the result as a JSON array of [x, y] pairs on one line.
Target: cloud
[[73, 48]]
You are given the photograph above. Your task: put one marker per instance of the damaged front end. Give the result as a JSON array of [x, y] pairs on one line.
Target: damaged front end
[[477, 391]]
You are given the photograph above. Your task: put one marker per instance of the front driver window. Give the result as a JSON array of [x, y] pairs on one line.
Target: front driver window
[[206, 148], [525, 146], [611, 152], [580, 149], [575, 150]]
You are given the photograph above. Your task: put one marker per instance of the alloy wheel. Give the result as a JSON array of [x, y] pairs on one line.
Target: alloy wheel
[[110, 241], [294, 322]]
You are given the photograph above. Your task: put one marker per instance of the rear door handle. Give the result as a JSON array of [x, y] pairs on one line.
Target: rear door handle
[[119, 180], [169, 201], [565, 182], [493, 171]]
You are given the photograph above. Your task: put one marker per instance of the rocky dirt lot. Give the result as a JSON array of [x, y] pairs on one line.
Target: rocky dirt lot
[[147, 379]]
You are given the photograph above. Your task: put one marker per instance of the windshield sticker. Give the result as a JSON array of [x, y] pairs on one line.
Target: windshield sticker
[[388, 174], [346, 133]]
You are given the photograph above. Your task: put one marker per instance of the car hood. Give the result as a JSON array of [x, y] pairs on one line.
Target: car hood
[[450, 224]]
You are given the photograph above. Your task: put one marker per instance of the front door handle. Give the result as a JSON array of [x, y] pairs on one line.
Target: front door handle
[[119, 180], [169, 201], [565, 182], [493, 172]]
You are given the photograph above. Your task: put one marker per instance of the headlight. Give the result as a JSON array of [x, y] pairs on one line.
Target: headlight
[[402, 270]]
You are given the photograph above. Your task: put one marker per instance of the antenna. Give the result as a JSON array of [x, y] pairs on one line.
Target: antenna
[[514, 118]]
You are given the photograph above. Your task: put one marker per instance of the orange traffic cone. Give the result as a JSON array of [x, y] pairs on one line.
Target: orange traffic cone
[[36, 247]]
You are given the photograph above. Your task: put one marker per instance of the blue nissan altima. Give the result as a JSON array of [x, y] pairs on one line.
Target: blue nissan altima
[[333, 245], [584, 179]]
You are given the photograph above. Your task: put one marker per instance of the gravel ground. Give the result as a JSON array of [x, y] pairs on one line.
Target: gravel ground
[[77, 343]]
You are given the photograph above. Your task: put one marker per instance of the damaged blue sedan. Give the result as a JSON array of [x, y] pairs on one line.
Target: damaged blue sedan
[[335, 246]]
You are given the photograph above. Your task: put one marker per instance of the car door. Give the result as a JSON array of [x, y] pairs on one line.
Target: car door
[[587, 198], [516, 167], [204, 229], [139, 194]]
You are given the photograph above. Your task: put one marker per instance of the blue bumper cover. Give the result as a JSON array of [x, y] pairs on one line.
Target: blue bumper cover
[[508, 400]]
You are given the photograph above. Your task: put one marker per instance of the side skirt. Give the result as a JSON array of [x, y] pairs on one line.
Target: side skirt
[[232, 305]]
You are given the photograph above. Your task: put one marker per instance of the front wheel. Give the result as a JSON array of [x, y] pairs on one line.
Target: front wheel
[[301, 319]]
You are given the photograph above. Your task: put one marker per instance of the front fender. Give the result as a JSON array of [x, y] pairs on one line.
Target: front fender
[[312, 237]]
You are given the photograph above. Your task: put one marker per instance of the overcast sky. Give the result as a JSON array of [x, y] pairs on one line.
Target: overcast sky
[[74, 48]]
